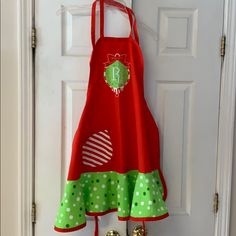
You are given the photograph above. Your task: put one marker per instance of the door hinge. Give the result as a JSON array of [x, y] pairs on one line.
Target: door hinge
[[33, 213], [33, 38], [222, 46], [216, 203]]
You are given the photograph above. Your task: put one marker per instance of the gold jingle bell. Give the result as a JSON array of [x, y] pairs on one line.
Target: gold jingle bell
[[112, 233], [138, 231]]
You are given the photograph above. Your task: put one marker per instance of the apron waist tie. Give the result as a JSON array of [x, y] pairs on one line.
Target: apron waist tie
[[96, 226], [144, 228]]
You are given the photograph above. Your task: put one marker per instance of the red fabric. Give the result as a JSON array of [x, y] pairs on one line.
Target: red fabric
[[96, 232], [143, 218], [144, 228], [133, 131], [120, 7]]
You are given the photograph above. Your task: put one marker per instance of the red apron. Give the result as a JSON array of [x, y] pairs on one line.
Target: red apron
[[115, 162]]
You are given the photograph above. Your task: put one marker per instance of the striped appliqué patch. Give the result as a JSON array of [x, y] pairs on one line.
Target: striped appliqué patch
[[97, 150]]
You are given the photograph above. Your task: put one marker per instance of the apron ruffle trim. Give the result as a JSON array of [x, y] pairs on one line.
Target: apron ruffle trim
[[135, 196]]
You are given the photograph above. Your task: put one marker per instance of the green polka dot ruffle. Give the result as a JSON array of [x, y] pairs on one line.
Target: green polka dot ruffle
[[133, 194]]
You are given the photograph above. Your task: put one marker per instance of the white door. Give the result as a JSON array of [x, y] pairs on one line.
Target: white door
[[182, 82], [62, 72], [182, 79]]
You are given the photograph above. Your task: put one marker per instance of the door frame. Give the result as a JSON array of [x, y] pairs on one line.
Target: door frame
[[26, 14], [26, 125], [226, 121]]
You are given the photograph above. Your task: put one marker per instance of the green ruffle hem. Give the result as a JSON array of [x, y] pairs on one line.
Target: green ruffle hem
[[134, 195]]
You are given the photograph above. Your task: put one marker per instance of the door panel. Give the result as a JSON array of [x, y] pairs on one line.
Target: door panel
[[62, 72], [182, 85], [182, 82]]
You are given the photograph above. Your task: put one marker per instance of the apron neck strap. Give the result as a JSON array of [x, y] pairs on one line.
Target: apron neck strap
[[133, 24], [93, 20], [102, 22], [132, 19]]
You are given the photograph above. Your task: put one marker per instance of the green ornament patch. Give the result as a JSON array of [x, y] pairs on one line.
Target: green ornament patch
[[116, 76]]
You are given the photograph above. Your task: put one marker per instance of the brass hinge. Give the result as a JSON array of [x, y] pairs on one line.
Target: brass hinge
[[33, 38], [216, 203], [33, 213], [222, 46]]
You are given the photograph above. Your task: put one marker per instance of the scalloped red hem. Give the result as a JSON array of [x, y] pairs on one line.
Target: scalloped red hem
[[119, 218], [128, 217], [143, 218], [69, 230]]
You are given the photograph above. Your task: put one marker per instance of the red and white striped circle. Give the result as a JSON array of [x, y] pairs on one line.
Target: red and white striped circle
[[97, 150]]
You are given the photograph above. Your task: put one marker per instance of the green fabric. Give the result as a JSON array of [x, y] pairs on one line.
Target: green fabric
[[133, 194], [116, 74]]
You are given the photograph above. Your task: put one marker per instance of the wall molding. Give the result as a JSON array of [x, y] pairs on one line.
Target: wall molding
[[9, 143], [226, 121], [26, 106]]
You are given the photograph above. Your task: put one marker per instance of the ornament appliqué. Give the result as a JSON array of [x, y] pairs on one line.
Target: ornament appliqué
[[117, 72]]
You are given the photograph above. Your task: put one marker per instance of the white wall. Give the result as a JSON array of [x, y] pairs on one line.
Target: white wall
[[9, 118]]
